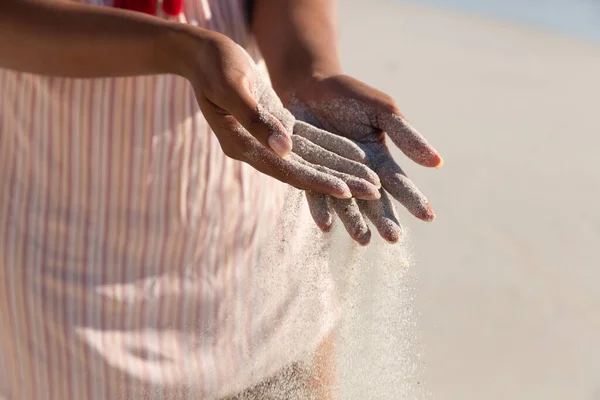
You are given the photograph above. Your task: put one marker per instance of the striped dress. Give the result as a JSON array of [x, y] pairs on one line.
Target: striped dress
[[136, 260]]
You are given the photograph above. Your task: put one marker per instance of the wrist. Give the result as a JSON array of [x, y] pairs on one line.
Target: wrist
[[179, 48]]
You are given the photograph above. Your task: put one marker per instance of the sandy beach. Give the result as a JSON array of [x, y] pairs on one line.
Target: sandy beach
[[507, 292]]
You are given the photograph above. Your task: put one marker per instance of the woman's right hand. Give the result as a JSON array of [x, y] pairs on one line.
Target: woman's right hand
[[253, 126]]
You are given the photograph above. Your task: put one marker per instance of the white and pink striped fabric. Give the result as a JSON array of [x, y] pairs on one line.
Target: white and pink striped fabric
[[136, 260]]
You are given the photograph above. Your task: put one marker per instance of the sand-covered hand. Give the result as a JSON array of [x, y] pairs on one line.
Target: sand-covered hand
[[253, 126], [365, 116]]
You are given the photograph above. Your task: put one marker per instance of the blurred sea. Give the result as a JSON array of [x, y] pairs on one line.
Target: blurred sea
[[575, 17]]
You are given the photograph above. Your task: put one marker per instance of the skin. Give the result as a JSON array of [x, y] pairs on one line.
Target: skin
[[323, 380], [301, 380], [308, 160], [63, 38], [299, 41]]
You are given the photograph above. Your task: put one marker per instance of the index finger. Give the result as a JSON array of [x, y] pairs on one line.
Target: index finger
[[409, 140], [293, 172]]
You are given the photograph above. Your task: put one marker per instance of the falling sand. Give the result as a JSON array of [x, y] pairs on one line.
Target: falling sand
[[376, 339]]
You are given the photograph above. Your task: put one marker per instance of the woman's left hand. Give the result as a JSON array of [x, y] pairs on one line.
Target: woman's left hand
[[349, 108]]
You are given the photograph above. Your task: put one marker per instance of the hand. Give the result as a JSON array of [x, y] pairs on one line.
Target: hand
[[252, 125], [349, 108]]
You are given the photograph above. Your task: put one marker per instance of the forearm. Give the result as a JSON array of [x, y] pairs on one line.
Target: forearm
[[298, 39], [51, 37]]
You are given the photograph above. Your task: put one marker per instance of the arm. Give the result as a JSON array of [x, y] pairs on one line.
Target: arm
[[63, 38], [59, 38], [298, 39]]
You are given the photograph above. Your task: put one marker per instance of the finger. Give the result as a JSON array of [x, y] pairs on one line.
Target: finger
[[239, 144], [335, 143], [265, 95], [395, 181], [409, 140], [258, 121], [320, 210], [318, 155], [297, 174], [359, 188], [382, 214], [353, 220]]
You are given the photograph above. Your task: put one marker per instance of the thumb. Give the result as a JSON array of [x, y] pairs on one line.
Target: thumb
[[261, 124]]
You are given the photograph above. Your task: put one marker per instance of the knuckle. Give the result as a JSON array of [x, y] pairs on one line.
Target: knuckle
[[234, 78], [231, 147], [388, 105], [231, 150], [237, 73], [218, 92], [240, 148], [229, 84]]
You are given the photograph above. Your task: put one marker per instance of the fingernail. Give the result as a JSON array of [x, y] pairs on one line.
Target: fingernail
[[280, 144], [441, 164]]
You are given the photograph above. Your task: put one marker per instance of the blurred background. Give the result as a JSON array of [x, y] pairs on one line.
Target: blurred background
[[508, 291]]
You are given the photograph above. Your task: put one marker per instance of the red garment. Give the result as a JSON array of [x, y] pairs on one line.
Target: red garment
[[170, 7]]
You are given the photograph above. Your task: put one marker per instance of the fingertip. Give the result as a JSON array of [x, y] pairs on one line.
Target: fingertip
[[428, 157], [326, 227], [319, 209], [325, 222], [369, 194], [427, 215], [435, 161], [411, 142], [378, 183], [392, 234], [361, 233], [373, 178], [363, 238], [376, 195], [341, 191], [363, 189]]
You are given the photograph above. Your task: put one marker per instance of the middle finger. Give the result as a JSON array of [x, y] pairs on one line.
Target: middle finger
[[353, 221]]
